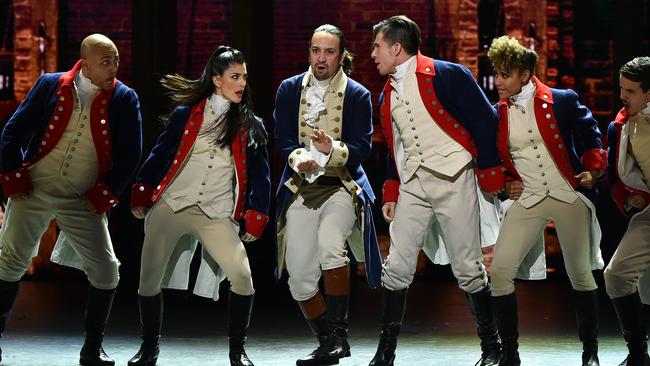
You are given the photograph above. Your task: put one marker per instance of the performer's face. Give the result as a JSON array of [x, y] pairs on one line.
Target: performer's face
[[385, 55], [232, 83], [632, 95], [509, 83], [101, 65], [325, 55]]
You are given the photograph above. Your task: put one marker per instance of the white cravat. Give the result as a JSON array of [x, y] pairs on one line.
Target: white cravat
[[316, 100], [85, 88], [397, 79], [217, 106], [521, 99]]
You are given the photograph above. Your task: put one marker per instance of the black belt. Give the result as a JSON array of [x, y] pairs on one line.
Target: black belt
[[328, 181]]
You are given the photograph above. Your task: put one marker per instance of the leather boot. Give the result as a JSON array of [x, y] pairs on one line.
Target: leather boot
[[337, 313], [481, 305], [315, 312], [505, 311], [8, 294], [588, 320], [97, 310], [239, 315], [151, 312], [393, 308], [630, 317]]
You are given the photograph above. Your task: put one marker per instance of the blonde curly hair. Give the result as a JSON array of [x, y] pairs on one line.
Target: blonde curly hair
[[507, 54]]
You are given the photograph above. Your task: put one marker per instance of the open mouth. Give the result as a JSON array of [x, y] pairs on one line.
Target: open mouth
[[240, 93]]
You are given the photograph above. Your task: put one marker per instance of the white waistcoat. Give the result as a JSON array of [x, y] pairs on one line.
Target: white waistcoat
[[207, 178], [422, 141], [74, 158], [534, 163]]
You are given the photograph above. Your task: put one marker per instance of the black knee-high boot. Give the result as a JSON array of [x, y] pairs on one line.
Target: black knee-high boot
[[393, 308], [8, 294], [505, 311], [630, 317], [337, 313], [97, 310], [239, 314], [315, 312], [151, 312], [481, 305], [587, 316]]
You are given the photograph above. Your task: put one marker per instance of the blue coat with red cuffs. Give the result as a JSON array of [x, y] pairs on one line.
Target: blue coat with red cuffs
[[624, 176], [563, 123], [457, 104], [40, 120], [173, 147]]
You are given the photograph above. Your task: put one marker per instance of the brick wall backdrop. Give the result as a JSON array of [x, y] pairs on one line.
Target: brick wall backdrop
[[296, 20], [111, 18], [212, 26], [27, 16]]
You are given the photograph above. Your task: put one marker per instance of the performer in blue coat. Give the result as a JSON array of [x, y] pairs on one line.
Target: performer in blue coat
[[323, 126], [550, 179], [626, 275], [207, 180], [440, 130], [68, 153]]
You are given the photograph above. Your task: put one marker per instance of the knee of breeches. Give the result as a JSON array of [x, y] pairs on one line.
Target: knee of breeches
[[12, 268], [302, 289], [241, 281], [582, 281], [503, 280], [396, 280], [333, 257], [105, 276], [613, 275]]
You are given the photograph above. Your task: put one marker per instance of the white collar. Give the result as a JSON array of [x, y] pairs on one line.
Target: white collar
[[218, 105], [85, 87], [646, 111], [401, 69], [522, 98]]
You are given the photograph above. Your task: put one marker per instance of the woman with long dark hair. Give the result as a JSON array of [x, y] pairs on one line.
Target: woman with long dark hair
[[207, 180]]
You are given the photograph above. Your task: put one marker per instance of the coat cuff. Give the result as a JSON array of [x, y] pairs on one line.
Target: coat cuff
[[491, 179], [255, 222], [16, 182], [594, 159], [620, 193], [390, 191], [296, 157], [101, 198], [339, 154], [141, 195]]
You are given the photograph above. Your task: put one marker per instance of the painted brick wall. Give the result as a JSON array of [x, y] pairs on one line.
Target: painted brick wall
[[211, 26], [109, 17], [294, 22]]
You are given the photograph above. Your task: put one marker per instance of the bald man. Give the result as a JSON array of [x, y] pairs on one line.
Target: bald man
[[67, 153]]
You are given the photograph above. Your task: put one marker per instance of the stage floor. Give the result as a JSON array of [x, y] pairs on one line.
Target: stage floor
[[45, 327]]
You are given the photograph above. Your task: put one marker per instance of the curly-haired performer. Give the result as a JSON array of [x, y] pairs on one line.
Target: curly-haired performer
[[538, 127]]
